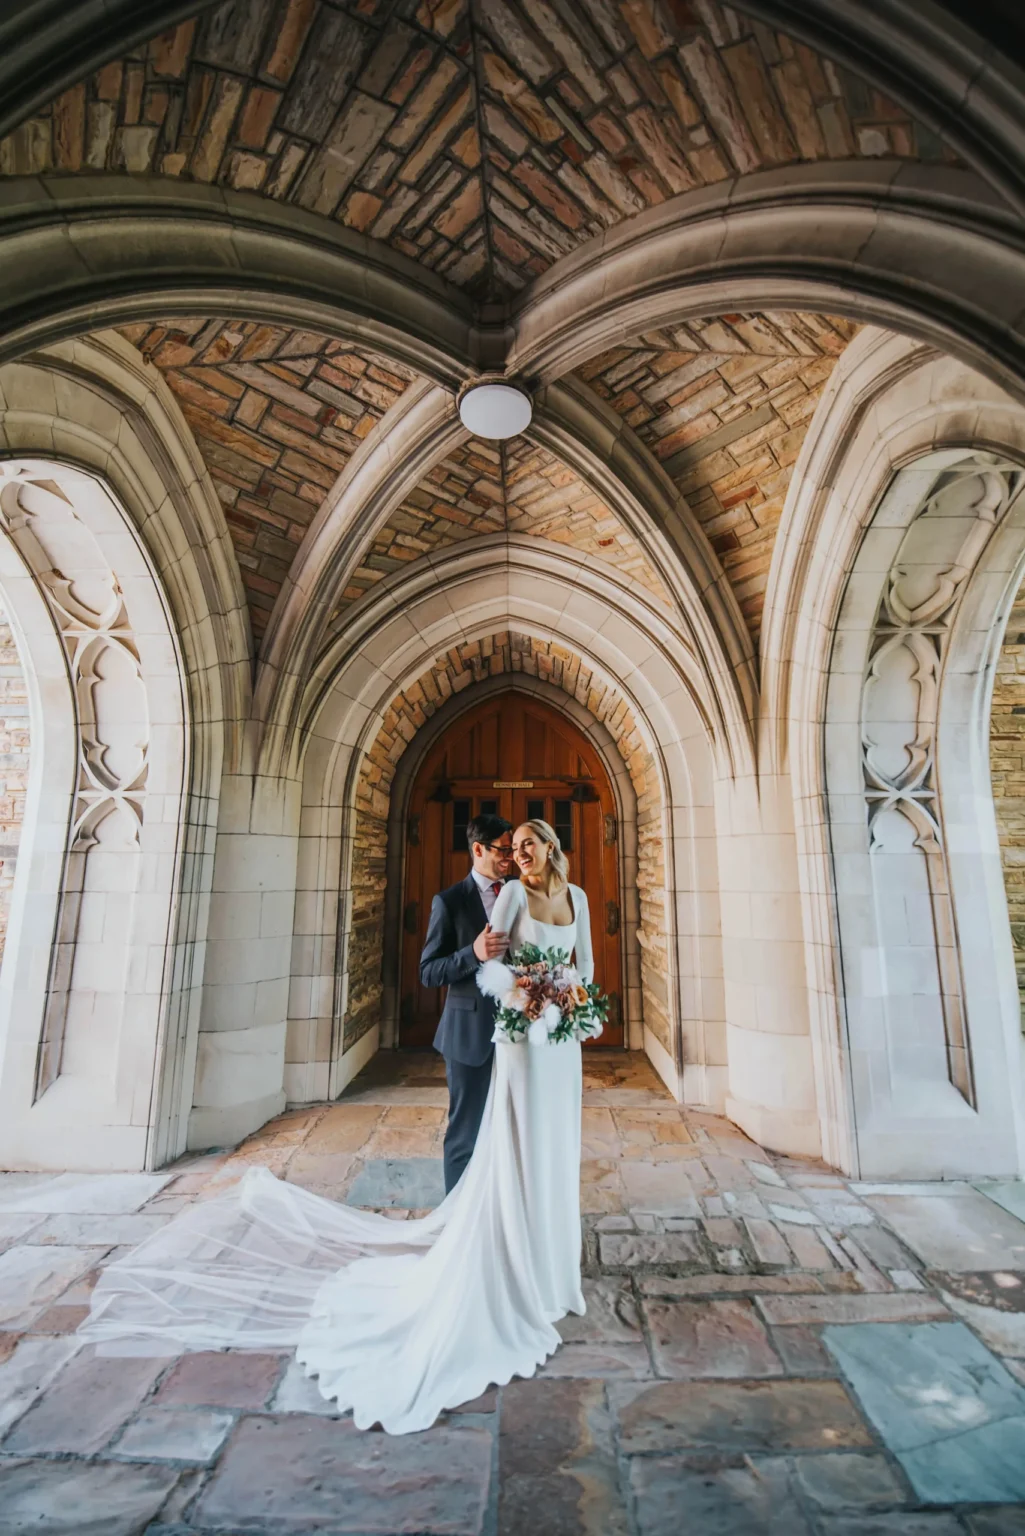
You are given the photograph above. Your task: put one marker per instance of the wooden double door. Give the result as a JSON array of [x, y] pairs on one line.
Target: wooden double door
[[521, 759]]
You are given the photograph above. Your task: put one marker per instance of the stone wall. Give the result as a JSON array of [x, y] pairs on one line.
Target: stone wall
[[458, 669], [549, 501], [14, 762], [1007, 767], [461, 497]]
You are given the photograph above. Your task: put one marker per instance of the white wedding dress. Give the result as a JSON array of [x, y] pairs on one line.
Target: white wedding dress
[[397, 1320]]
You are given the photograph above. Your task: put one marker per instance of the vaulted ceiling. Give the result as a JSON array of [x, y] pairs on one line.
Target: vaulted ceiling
[[485, 488], [724, 405], [486, 140], [276, 414], [483, 138]]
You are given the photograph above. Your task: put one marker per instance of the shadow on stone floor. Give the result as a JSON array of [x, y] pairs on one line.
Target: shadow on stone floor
[[768, 1347]]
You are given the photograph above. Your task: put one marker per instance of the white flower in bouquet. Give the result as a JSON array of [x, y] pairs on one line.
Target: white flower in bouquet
[[541, 1028], [541, 998], [495, 979], [552, 1017]]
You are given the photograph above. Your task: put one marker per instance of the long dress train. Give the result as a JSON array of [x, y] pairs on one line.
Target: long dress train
[[397, 1320]]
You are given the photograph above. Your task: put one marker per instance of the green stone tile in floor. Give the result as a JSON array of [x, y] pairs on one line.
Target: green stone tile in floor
[[948, 1409]]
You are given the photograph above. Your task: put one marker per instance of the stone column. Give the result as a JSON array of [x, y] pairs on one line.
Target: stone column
[[771, 1077], [240, 1064]]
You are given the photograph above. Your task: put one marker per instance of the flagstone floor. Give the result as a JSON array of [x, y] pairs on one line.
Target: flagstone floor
[[768, 1348]]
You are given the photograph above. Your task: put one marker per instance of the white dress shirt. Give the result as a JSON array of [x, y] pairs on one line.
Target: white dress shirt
[[487, 895]]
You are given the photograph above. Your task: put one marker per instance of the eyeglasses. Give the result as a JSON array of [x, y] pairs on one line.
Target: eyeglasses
[[498, 848]]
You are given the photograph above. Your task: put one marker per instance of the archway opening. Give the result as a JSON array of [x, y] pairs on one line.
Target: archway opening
[[519, 758], [87, 991], [934, 1048]]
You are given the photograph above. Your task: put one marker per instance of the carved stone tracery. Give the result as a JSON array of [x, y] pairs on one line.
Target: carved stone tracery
[[88, 608], [900, 708]]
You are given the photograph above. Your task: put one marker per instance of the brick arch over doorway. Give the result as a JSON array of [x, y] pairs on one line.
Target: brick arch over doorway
[[513, 751], [507, 654]]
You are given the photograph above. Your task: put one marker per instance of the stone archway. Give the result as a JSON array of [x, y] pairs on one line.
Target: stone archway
[[890, 404], [935, 1061], [86, 985], [654, 692], [460, 673], [142, 493]]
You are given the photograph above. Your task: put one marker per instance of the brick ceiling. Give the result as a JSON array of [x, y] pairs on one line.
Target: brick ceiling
[[277, 414], [486, 488], [485, 140], [724, 404]]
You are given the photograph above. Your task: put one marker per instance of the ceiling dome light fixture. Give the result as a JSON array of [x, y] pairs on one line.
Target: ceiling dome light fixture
[[495, 410]]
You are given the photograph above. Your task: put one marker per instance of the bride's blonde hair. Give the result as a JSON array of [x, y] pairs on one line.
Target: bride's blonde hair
[[548, 834]]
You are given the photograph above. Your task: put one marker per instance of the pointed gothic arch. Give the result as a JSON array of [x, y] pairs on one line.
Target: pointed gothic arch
[[103, 484], [897, 423]]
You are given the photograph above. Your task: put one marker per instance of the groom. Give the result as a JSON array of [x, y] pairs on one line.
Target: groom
[[459, 940]]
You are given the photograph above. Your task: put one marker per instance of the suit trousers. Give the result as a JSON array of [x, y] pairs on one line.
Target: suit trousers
[[467, 1095]]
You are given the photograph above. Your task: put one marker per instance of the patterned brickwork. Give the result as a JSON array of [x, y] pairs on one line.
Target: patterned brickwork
[[499, 655], [14, 765], [461, 498], [548, 500], [276, 414], [486, 487], [484, 150], [1007, 768], [724, 404]]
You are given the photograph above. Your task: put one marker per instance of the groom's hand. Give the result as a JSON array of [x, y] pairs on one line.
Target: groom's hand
[[488, 945]]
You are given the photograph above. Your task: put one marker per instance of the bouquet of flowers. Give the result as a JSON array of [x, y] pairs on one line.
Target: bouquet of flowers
[[541, 996]]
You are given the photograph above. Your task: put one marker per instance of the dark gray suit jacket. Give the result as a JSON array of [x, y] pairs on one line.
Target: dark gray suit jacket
[[468, 1018]]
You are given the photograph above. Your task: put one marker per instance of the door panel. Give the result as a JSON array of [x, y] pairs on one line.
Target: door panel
[[519, 758]]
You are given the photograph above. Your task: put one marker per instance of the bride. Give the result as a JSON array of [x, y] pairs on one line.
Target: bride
[[397, 1320]]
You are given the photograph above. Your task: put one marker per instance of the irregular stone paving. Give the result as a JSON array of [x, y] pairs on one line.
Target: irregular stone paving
[[768, 1348]]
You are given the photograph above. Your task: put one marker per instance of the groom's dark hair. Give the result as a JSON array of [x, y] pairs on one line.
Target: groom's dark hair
[[486, 828]]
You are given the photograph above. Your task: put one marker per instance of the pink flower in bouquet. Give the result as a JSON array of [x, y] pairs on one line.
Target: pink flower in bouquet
[[541, 1000]]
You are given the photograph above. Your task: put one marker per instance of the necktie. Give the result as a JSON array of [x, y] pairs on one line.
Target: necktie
[[497, 887]]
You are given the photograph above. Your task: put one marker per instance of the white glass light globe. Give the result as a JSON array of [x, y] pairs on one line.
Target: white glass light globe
[[495, 410]]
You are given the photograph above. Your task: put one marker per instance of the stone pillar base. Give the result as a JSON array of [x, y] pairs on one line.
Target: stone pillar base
[[230, 1124], [777, 1130]]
